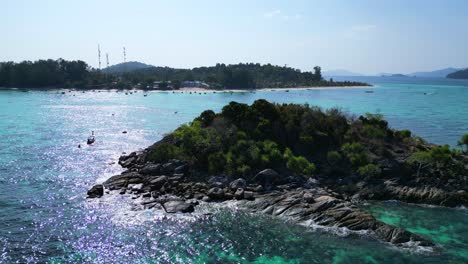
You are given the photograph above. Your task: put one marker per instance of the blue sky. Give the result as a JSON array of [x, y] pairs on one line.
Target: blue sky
[[366, 36]]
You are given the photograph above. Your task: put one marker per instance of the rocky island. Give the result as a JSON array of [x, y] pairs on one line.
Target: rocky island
[[295, 162]]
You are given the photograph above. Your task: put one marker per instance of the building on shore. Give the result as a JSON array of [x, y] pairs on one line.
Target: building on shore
[[194, 84]]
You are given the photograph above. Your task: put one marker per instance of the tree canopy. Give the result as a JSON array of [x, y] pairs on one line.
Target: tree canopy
[[77, 74]]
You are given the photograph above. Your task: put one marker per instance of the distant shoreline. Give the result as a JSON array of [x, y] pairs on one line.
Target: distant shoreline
[[193, 89]]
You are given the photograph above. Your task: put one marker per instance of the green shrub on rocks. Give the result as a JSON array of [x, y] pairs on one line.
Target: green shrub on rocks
[[298, 164], [355, 152], [370, 171], [334, 157], [164, 152], [402, 134]]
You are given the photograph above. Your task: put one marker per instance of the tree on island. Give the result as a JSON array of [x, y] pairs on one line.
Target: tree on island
[[464, 142]]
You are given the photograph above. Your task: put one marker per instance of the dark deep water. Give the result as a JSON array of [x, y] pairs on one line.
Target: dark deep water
[[45, 217]]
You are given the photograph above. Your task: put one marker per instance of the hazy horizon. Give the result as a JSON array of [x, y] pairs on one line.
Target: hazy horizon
[[365, 37]]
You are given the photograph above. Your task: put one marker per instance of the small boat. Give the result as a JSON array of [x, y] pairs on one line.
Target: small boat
[[369, 91], [91, 139]]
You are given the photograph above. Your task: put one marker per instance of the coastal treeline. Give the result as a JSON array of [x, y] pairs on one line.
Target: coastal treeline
[[77, 74], [47, 73]]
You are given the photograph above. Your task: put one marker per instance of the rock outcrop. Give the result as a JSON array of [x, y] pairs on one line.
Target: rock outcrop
[[175, 190]]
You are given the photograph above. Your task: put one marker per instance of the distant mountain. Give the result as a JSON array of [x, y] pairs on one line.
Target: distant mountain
[[126, 67], [340, 73], [435, 74], [462, 74]]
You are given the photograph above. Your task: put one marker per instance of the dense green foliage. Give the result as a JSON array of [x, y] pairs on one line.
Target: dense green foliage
[[242, 75], [296, 139], [462, 74], [48, 73], [370, 171], [77, 74]]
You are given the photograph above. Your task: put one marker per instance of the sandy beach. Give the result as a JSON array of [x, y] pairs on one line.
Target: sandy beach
[[204, 90]]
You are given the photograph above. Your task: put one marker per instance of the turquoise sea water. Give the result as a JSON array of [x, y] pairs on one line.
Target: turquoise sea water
[[44, 216]]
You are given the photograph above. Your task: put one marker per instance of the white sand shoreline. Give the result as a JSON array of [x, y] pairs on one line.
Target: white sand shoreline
[[204, 90]]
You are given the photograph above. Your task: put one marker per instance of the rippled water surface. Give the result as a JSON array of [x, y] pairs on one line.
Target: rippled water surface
[[44, 216]]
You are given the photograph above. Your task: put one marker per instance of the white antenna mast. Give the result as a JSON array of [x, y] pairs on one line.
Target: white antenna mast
[[99, 56]]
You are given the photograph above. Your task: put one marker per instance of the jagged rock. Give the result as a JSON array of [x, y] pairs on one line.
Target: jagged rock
[[178, 206], [158, 182], [181, 169], [238, 183], [123, 180], [168, 168], [96, 191], [267, 177], [308, 198], [151, 169]]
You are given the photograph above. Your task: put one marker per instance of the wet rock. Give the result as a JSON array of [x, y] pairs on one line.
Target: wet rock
[[158, 182], [128, 162], [96, 191], [178, 207], [151, 169], [239, 194], [238, 183], [228, 196], [137, 187], [249, 195], [206, 199], [123, 180], [216, 193], [267, 177]]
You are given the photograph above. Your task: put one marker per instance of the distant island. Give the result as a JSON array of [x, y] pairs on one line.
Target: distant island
[[442, 73], [393, 75], [462, 74], [134, 75]]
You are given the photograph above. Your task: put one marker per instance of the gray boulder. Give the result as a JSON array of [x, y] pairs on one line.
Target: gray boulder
[[267, 177], [216, 193], [238, 183], [178, 207], [239, 194], [158, 182], [151, 169]]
